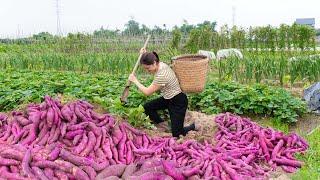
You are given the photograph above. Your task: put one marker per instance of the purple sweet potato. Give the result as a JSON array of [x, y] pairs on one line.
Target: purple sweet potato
[[264, 146], [107, 148], [145, 141], [98, 142], [64, 165], [22, 120], [61, 175], [231, 172], [170, 169], [56, 135], [43, 115], [103, 122], [100, 166], [26, 170], [43, 132], [82, 144], [46, 164], [50, 117], [144, 151], [76, 139], [72, 134], [100, 155], [191, 172], [78, 173], [39, 173], [129, 154], [49, 173], [277, 149], [113, 170], [288, 162], [133, 130], [142, 170], [35, 117], [91, 143], [208, 171], [7, 133], [90, 171], [114, 150], [92, 127], [77, 160], [130, 169], [66, 113], [112, 178], [116, 134], [79, 113], [7, 175], [289, 169], [121, 146], [151, 176], [31, 136], [12, 154], [63, 128], [74, 127], [54, 153], [44, 140], [8, 162]]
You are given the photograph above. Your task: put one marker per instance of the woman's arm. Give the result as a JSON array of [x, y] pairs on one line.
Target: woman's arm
[[145, 90]]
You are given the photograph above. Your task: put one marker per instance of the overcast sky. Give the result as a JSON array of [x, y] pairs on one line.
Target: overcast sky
[[21, 18]]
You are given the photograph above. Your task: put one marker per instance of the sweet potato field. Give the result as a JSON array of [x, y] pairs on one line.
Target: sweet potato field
[[52, 140], [61, 116]]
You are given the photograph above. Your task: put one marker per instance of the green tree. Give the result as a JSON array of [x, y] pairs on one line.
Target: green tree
[[132, 28], [43, 36], [105, 33], [176, 38]]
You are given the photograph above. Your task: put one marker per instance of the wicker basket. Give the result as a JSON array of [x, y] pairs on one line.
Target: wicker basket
[[191, 71]]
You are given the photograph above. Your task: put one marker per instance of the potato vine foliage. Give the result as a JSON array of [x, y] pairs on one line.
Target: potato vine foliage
[[244, 99], [18, 88]]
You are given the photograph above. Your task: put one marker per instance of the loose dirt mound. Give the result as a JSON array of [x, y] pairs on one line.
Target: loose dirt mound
[[206, 127]]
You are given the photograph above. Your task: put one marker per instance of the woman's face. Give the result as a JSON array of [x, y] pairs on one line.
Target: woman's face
[[151, 68]]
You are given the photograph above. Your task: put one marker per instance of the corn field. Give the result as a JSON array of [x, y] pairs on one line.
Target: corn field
[[283, 67]]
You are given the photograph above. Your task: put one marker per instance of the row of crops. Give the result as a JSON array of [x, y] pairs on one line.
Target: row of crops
[[285, 67], [281, 67]]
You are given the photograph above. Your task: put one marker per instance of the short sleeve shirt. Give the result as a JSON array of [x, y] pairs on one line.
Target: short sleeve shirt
[[167, 79]]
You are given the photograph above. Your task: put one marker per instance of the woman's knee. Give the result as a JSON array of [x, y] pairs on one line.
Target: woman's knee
[[146, 107]]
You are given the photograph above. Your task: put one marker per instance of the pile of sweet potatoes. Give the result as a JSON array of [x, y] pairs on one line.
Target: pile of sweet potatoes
[[71, 141]]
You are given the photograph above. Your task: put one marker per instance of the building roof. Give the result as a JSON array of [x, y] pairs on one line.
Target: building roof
[[306, 21]]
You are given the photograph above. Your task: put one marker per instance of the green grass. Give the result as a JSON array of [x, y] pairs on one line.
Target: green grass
[[311, 169]]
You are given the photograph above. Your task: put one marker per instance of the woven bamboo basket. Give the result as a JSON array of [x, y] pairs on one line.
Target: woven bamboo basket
[[191, 71]]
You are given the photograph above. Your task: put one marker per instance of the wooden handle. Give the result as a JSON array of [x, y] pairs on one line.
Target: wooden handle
[[138, 61]]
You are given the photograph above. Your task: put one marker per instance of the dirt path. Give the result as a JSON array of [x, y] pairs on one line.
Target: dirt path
[[306, 124], [309, 122]]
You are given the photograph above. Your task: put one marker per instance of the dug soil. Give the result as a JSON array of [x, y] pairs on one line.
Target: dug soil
[[205, 127]]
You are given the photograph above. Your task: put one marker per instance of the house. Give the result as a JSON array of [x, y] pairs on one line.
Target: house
[[306, 21]]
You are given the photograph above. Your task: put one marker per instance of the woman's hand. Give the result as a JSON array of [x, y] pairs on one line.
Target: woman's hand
[[133, 78], [143, 50]]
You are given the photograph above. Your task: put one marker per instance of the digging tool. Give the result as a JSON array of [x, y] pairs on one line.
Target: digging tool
[[125, 92]]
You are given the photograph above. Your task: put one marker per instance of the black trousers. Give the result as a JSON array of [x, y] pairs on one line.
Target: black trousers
[[177, 107]]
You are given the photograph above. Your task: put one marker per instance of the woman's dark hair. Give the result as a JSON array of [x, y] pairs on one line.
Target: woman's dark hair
[[149, 58]]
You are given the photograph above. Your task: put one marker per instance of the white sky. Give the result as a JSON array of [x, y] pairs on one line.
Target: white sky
[[21, 18]]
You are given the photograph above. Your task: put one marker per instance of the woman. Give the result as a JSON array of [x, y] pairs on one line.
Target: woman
[[172, 98]]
